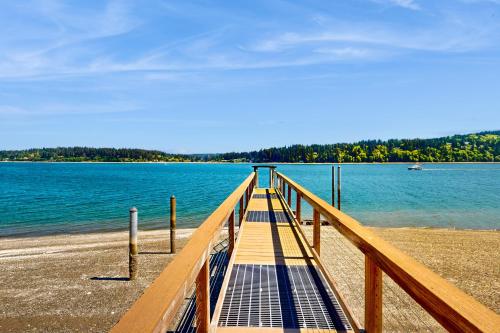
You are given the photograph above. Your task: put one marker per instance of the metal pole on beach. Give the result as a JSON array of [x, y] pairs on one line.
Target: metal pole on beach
[[133, 254], [173, 221]]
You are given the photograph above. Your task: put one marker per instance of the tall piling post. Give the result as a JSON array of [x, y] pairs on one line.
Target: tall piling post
[[133, 252], [333, 185], [173, 223], [338, 187]]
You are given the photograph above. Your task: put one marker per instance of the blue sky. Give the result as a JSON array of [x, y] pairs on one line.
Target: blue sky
[[215, 76]]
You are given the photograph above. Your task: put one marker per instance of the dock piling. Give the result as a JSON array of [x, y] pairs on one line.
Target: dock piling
[[133, 256], [338, 187], [173, 223], [298, 208], [333, 185]]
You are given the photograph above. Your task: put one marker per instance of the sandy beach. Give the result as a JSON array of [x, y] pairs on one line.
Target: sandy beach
[[79, 282]]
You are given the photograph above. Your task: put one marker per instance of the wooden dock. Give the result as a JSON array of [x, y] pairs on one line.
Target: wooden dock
[[275, 280]]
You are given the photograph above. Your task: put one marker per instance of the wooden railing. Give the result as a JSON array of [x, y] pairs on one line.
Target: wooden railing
[[155, 310], [451, 307]]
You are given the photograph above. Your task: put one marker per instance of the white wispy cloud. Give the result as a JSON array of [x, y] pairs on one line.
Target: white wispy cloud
[[59, 109], [408, 4]]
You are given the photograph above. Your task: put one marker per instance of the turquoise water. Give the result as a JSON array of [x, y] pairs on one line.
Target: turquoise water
[[46, 198]]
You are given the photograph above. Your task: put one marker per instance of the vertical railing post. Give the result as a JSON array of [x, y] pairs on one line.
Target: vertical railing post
[[133, 251], [289, 201], [173, 222], [298, 208], [246, 199], [203, 299], [231, 233], [240, 215], [256, 177], [270, 178], [333, 185], [373, 297], [316, 231], [338, 187]]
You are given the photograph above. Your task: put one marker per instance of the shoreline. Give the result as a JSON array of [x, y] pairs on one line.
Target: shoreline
[[182, 229], [249, 163]]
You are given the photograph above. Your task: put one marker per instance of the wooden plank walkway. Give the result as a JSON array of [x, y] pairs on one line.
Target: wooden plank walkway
[[273, 283]]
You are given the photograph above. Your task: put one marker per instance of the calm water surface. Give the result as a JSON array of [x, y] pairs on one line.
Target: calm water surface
[[45, 198]]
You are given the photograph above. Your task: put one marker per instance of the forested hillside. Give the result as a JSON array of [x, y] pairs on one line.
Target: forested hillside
[[80, 154], [479, 147]]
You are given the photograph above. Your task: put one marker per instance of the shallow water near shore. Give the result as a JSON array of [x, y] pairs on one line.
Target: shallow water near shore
[[47, 198]]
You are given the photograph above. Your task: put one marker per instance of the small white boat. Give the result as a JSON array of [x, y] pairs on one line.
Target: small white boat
[[415, 167]]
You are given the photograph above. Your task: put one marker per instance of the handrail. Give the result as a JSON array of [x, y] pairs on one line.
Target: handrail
[[451, 307], [156, 308]]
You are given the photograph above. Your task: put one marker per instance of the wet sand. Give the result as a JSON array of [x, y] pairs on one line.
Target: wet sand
[[71, 283]]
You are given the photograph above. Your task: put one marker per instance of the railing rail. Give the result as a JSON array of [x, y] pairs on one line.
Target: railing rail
[[452, 308], [155, 310]]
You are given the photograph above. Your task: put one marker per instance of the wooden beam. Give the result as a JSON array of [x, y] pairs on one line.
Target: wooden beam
[[240, 215], [289, 200], [373, 297], [298, 208], [203, 298], [317, 231], [230, 228]]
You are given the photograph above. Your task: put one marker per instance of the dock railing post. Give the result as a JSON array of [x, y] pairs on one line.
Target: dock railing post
[[373, 297], [333, 185], [298, 208], [289, 201], [317, 231], [246, 198], [173, 222], [256, 177], [203, 299], [240, 215], [133, 252], [338, 187], [230, 228]]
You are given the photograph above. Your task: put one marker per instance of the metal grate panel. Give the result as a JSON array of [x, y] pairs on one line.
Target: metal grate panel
[[267, 216], [280, 296], [265, 196]]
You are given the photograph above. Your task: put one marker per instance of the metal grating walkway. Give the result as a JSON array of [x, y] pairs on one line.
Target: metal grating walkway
[[265, 196], [267, 216], [273, 281], [280, 296]]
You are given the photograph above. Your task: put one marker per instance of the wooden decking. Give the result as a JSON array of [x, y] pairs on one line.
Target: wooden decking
[[273, 282]]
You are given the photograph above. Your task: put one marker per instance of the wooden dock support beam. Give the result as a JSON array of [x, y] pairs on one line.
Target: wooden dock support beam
[[173, 223], [230, 228], [203, 299], [298, 208], [289, 201], [133, 251], [240, 214], [373, 297], [317, 231]]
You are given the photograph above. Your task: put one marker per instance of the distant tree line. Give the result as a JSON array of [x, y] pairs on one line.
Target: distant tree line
[[86, 154], [479, 147]]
